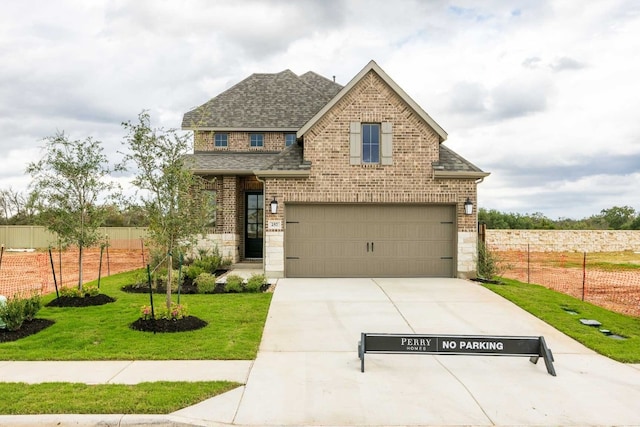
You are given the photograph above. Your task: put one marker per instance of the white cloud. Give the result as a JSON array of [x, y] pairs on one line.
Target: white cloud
[[543, 94]]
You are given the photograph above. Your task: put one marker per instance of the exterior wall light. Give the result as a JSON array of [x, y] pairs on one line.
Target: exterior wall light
[[468, 207], [274, 205]]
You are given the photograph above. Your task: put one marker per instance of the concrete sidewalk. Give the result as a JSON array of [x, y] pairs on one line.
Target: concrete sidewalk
[[125, 372], [308, 373]]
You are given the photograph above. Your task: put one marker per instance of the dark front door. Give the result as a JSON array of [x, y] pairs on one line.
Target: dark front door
[[254, 229]]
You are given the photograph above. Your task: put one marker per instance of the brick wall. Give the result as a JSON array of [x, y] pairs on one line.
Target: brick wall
[[566, 240], [239, 141], [408, 180]]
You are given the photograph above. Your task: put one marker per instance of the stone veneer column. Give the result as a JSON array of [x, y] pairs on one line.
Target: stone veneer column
[[467, 254], [274, 255]]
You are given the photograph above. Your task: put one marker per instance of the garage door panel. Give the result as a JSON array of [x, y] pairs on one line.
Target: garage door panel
[[369, 240]]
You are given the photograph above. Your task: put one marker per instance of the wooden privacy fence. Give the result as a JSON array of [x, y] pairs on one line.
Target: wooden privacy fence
[[38, 237]]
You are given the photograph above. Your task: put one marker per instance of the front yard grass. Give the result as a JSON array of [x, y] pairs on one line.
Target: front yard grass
[[102, 332], [75, 398], [552, 306]]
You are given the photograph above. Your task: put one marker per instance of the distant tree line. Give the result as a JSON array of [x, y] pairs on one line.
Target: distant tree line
[[19, 208], [614, 218]]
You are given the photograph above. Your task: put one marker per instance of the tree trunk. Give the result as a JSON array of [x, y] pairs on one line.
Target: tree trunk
[[80, 269], [169, 279]]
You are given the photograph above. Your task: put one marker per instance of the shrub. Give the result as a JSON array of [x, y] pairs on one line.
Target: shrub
[[255, 282], [140, 277], [487, 262], [193, 271], [71, 292], [91, 290], [177, 311], [206, 283], [209, 260], [234, 283], [12, 313], [31, 307]]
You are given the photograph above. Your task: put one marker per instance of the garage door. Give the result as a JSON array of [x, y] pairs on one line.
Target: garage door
[[330, 240]]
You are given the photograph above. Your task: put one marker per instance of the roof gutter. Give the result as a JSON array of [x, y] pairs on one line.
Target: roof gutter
[[459, 174], [243, 172], [244, 129], [282, 173]]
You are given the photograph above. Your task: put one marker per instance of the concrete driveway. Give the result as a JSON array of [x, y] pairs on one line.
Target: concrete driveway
[[308, 372]]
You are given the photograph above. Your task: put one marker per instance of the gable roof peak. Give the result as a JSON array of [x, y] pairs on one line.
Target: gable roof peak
[[373, 66]]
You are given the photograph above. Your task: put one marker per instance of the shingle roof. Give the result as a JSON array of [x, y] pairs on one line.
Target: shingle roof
[[452, 163], [290, 159], [228, 161], [265, 101], [243, 162]]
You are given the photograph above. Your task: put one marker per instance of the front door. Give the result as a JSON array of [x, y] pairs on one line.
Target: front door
[[254, 229]]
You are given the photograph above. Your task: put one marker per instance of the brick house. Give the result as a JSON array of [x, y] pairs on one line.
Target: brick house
[[314, 179]]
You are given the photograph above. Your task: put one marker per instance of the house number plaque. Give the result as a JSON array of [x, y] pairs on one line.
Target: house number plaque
[[274, 225]]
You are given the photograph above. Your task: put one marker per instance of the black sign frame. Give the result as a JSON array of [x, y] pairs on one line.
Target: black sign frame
[[467, 345]]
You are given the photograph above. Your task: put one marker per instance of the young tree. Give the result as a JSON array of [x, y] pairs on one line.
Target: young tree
[[70, 181], [177, 208]]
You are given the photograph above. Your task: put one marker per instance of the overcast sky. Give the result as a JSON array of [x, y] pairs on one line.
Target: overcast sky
[[545, 95]]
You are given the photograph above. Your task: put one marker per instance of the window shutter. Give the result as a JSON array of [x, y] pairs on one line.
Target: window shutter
[[355, 143], [386, 150]]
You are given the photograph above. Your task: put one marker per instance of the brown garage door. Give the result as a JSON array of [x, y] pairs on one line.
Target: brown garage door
[[336, 240]]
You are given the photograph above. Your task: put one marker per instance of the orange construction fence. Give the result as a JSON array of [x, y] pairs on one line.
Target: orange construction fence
[[23, 273]]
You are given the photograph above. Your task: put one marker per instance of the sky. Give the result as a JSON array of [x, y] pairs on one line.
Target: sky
[[544, 95]]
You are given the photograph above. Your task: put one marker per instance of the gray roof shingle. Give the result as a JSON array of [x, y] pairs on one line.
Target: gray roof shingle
[[451, 161], [228, 161], [243, 162], [270, 101]]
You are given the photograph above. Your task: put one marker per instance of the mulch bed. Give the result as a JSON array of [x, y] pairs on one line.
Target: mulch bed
[[28, 328], [86, 301], [187, 323]]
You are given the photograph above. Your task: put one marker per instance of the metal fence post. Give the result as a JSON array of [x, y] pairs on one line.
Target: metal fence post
[[584, 272], [528, 263]]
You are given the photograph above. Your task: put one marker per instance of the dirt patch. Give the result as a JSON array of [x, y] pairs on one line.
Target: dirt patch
[[614, 289], [25, 273]]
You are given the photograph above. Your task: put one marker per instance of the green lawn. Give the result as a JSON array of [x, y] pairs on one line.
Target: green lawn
[[74, 398], [102, 332], [552, 306]]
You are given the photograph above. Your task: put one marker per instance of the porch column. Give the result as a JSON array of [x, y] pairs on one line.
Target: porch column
[[230, 235]]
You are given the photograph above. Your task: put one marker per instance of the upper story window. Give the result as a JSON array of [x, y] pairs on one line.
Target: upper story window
[[221, 140], [289, 139], [371, 143], [256, 140]]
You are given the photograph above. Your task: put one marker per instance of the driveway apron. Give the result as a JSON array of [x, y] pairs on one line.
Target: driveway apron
[[308, 373]]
